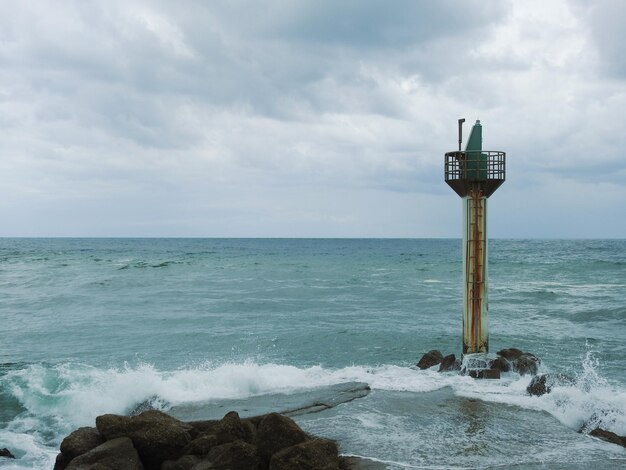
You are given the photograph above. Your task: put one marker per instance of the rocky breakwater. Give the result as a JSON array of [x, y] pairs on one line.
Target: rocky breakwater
[[154, 440], [511, 359]]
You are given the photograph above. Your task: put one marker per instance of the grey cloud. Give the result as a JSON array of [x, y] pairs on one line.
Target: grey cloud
[[315, 114], [605, 19]]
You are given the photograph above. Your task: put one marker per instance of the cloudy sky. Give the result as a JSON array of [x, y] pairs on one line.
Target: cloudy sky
[[318, 118]]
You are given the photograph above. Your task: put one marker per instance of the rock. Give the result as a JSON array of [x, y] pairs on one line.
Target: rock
[[542, 384], [362, 463], [186, 462], [449, 363], [154, 440], [79, 442], [198, 428], [118, 454], [237, 455], [501, 364], [510, 354], [527, 363], [201, 445], [431, 358], [276, 432], [484, 373], [316, 454], [61, 462], [537, 386], [608, 436], [231, 428], [156, 435], [6, 453]]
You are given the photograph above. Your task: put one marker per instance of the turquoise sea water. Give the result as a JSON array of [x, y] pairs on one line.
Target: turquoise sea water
[[91, 326]]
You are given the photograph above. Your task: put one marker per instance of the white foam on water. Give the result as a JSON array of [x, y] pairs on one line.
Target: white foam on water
[[29, 450], [78, 393], [60, 398], [591, 402]]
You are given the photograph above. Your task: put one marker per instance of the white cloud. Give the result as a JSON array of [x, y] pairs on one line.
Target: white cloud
[[305, 118]]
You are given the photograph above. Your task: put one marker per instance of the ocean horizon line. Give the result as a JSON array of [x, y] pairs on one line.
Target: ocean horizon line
[[151, 237]]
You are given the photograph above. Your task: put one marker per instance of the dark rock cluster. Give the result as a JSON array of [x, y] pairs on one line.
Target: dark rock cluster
[[4, 452], [511, 359], [524, 363], [153, 440], [542, 384], [609, 436]]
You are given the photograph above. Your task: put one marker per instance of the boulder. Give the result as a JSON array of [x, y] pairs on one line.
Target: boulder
[[156, 435], [80, 442], [118, 454], [230, 428], [6, 453], [362, 463], [61, 462], [237, 455], [201, 445], [526, 363], [449, 363], [198, 428], [484, 373], [542, 384], [315, 454], [186, 462], [501, 364], [276, 432], [537, 386], [510, 354], [609, 436], [431, 358]]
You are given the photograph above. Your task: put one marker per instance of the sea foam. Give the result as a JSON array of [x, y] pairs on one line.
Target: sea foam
[[59, 398]]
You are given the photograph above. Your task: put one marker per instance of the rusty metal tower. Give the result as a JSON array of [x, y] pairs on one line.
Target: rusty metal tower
[[474, 174]]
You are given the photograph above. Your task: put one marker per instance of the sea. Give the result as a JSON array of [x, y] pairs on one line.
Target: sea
[[197, 327]]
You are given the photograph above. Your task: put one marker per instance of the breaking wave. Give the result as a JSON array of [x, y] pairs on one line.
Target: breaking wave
[[58, 398]]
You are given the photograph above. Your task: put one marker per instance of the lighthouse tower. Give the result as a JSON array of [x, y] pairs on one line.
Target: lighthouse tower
[[474, 174]]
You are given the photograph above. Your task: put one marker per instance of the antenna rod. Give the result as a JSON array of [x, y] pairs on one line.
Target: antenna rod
[[461, 121]]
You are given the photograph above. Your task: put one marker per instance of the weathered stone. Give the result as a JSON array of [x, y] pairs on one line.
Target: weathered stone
[[118, 454], [201, 445], [156, 435], [449, 363], [237, 455], [431, 358], [186, 462], [501, 364], [198, 428], [609, 436], [276, 432], [361, 463], [315, 454], [544, 383], [61, 462], [6, 453], [80, 441], [510, 354], [231, 428], [527, 363], [537, 386], [484, 373]]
